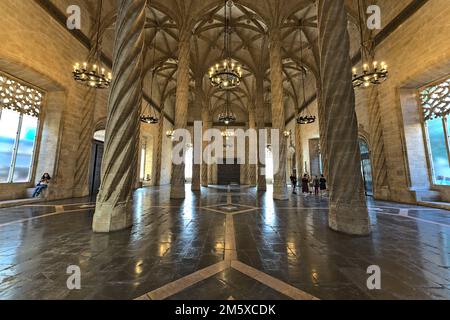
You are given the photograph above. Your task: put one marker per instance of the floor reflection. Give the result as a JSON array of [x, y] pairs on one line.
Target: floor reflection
[[171, 239]]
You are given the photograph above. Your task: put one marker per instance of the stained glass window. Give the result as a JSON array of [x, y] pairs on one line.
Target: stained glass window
[[19, 115], [436, 107]]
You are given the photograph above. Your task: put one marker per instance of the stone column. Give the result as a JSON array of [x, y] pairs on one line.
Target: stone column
[[195, 186], [181, 108], [119, 167], [207, 123], [280, 191], [81, 178], [322, 130], [196, 168], [244, 167], [376, 140], [260, 108], [159, 148], [348, 211], [299, 151], [251, 167]]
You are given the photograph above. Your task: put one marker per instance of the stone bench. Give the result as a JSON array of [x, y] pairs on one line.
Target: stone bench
[[42, 196]]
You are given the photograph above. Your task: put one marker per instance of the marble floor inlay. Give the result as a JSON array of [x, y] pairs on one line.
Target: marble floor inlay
[[227, 243]]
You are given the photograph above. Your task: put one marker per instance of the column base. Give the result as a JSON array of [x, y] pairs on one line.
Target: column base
[[205, 185], [195, 187], [280, 193], [112, 217], [177, 192], [352, 220]]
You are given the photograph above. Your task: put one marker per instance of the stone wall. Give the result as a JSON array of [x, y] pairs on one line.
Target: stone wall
[[35, 47], [418, 46]]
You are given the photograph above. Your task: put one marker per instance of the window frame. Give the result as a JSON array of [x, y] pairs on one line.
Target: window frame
[[37, 140], [429, 156]]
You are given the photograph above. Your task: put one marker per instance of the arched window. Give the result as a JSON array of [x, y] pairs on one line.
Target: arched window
[[436, 107], [19, 116]]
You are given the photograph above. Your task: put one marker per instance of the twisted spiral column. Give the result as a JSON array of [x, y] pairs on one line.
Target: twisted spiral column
[[261, 167], [159, 147], [348, 211], [251, 173], [376, 140], [280, 191], [119, 168], [322, 131], [181, 108], [197, 168], [81, 178], [299, 151], [244, 167], [207, 123]]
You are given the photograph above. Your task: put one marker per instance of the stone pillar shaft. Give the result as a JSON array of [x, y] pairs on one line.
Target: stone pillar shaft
[[251, 167], [159, 148], [197, 168], [119, 167], [181, 109], [207, 123], [299, 151], [261, 168], [280, 191], [348, 211]]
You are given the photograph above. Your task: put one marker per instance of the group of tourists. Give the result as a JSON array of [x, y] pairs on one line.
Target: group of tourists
[[318, 184]]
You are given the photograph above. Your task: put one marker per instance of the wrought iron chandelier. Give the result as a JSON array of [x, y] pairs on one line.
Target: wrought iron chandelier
[[373, 73], [304, 116], [227, 134], [308, 119], [93, 75], [227, 116], [228, 74], [150, 117]]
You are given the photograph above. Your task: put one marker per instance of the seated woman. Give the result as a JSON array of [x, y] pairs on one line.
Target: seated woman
[[43, 184]]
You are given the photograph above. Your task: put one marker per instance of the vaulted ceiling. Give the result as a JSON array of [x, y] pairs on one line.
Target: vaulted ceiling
[[251, 22]]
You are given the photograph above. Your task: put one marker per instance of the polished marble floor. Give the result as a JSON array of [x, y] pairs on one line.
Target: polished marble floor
[[223, 244]]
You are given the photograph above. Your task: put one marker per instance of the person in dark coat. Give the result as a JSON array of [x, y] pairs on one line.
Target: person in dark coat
[[305, 184], [294, 183], [323, 184]]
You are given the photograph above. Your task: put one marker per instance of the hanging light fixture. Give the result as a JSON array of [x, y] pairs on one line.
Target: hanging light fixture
[[150, 117], [304, 116], [228, 74], [372, 73], [93, 75], [227, 116]]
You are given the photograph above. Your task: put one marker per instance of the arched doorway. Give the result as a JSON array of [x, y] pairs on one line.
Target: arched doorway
[[96, 162], [366, 167], [269, 165], [188, 164]]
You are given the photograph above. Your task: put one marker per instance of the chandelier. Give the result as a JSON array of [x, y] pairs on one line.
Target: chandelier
[[304, 116], [226, 75], [227, 134], [227, 116], [307, 119], [93, 75], [372, 73], [150, 117]]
